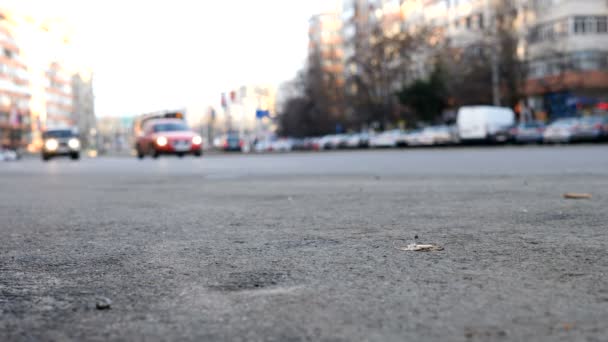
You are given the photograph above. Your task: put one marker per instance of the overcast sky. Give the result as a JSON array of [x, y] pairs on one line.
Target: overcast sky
[[158, 54]]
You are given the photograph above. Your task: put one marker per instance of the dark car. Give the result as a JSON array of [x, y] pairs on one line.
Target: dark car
[[233, 142], [60, 142]]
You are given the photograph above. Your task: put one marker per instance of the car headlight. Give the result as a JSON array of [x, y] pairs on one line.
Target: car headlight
[[51, 145], [74, 143], [161, 141], [197, 140]]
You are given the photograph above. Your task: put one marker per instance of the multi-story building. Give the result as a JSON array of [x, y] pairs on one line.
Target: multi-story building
[[563, 42], [83, 111], [567, 54], [325, 51], [325, 42], [59, 100], [15, 93], [37, 87]]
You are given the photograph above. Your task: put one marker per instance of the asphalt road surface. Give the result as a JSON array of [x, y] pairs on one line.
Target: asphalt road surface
[[305, 247]]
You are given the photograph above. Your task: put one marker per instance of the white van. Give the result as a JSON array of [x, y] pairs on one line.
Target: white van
[[485, 123]]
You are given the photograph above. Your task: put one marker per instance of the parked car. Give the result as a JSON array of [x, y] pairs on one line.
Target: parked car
[[9, 155], [560, 131], [358, 140], [281, 145], [528, 132], [314, 144], [485, 123], [439, 135], [232, 142], [385, 139], [168, 136], [263, 145], [591, 128], [299, 144], [331, 142], [60, 142]]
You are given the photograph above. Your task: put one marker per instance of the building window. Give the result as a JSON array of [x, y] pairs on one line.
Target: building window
[[590, 24], [602, 24]]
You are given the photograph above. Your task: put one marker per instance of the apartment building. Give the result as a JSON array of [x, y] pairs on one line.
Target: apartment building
[[38, 88], [325, 42], [15, 94], [83, 106], [326, 48], [567, 54]]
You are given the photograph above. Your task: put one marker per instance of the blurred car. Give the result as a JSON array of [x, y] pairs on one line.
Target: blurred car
[[405, 137], [168, 136], [430, 136], [299, 144], [358, 140], [331, 142], [314, 144], [560, 131], [281, 145], [342, 140], [439, 135], [324, 142], [528, 132], [385, 139], [60, 142], [485, 123], [232, 142], [591, 128], [9, 155], [263, 145]]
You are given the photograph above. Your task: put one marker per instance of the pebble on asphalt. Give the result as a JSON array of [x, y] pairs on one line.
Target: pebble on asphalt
[[103, 303]]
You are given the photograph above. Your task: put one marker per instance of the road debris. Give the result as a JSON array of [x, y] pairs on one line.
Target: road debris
[[572, 195], [415, 247], [103, 303]]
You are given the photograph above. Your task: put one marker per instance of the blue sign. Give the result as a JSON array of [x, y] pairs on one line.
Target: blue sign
[[262, 113]]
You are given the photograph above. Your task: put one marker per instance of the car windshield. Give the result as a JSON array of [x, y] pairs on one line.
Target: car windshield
[[64, 133], [170, 127], [566, 122], [592, 119]]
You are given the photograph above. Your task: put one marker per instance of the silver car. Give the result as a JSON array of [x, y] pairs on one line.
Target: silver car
[[529, 132], [591, 128], [560, 131]]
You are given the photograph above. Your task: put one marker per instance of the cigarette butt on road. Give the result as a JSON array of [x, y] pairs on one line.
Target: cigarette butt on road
[[571, 195]]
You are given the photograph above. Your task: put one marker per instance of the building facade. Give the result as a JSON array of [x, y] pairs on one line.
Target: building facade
[[326, 56], [15, 94], [83, 107], [38, 88], [562, 43], [568, 55]]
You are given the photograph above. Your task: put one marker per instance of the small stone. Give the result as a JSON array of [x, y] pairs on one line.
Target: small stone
[[103, 303]]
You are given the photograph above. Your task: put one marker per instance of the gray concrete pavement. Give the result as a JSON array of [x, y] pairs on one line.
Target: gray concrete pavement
[[305, 247]]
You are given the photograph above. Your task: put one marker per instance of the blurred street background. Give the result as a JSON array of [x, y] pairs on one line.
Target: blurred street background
[[261, 170]]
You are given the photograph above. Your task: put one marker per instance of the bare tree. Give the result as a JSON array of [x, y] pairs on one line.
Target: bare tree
[[380, 70], [315, 105]]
